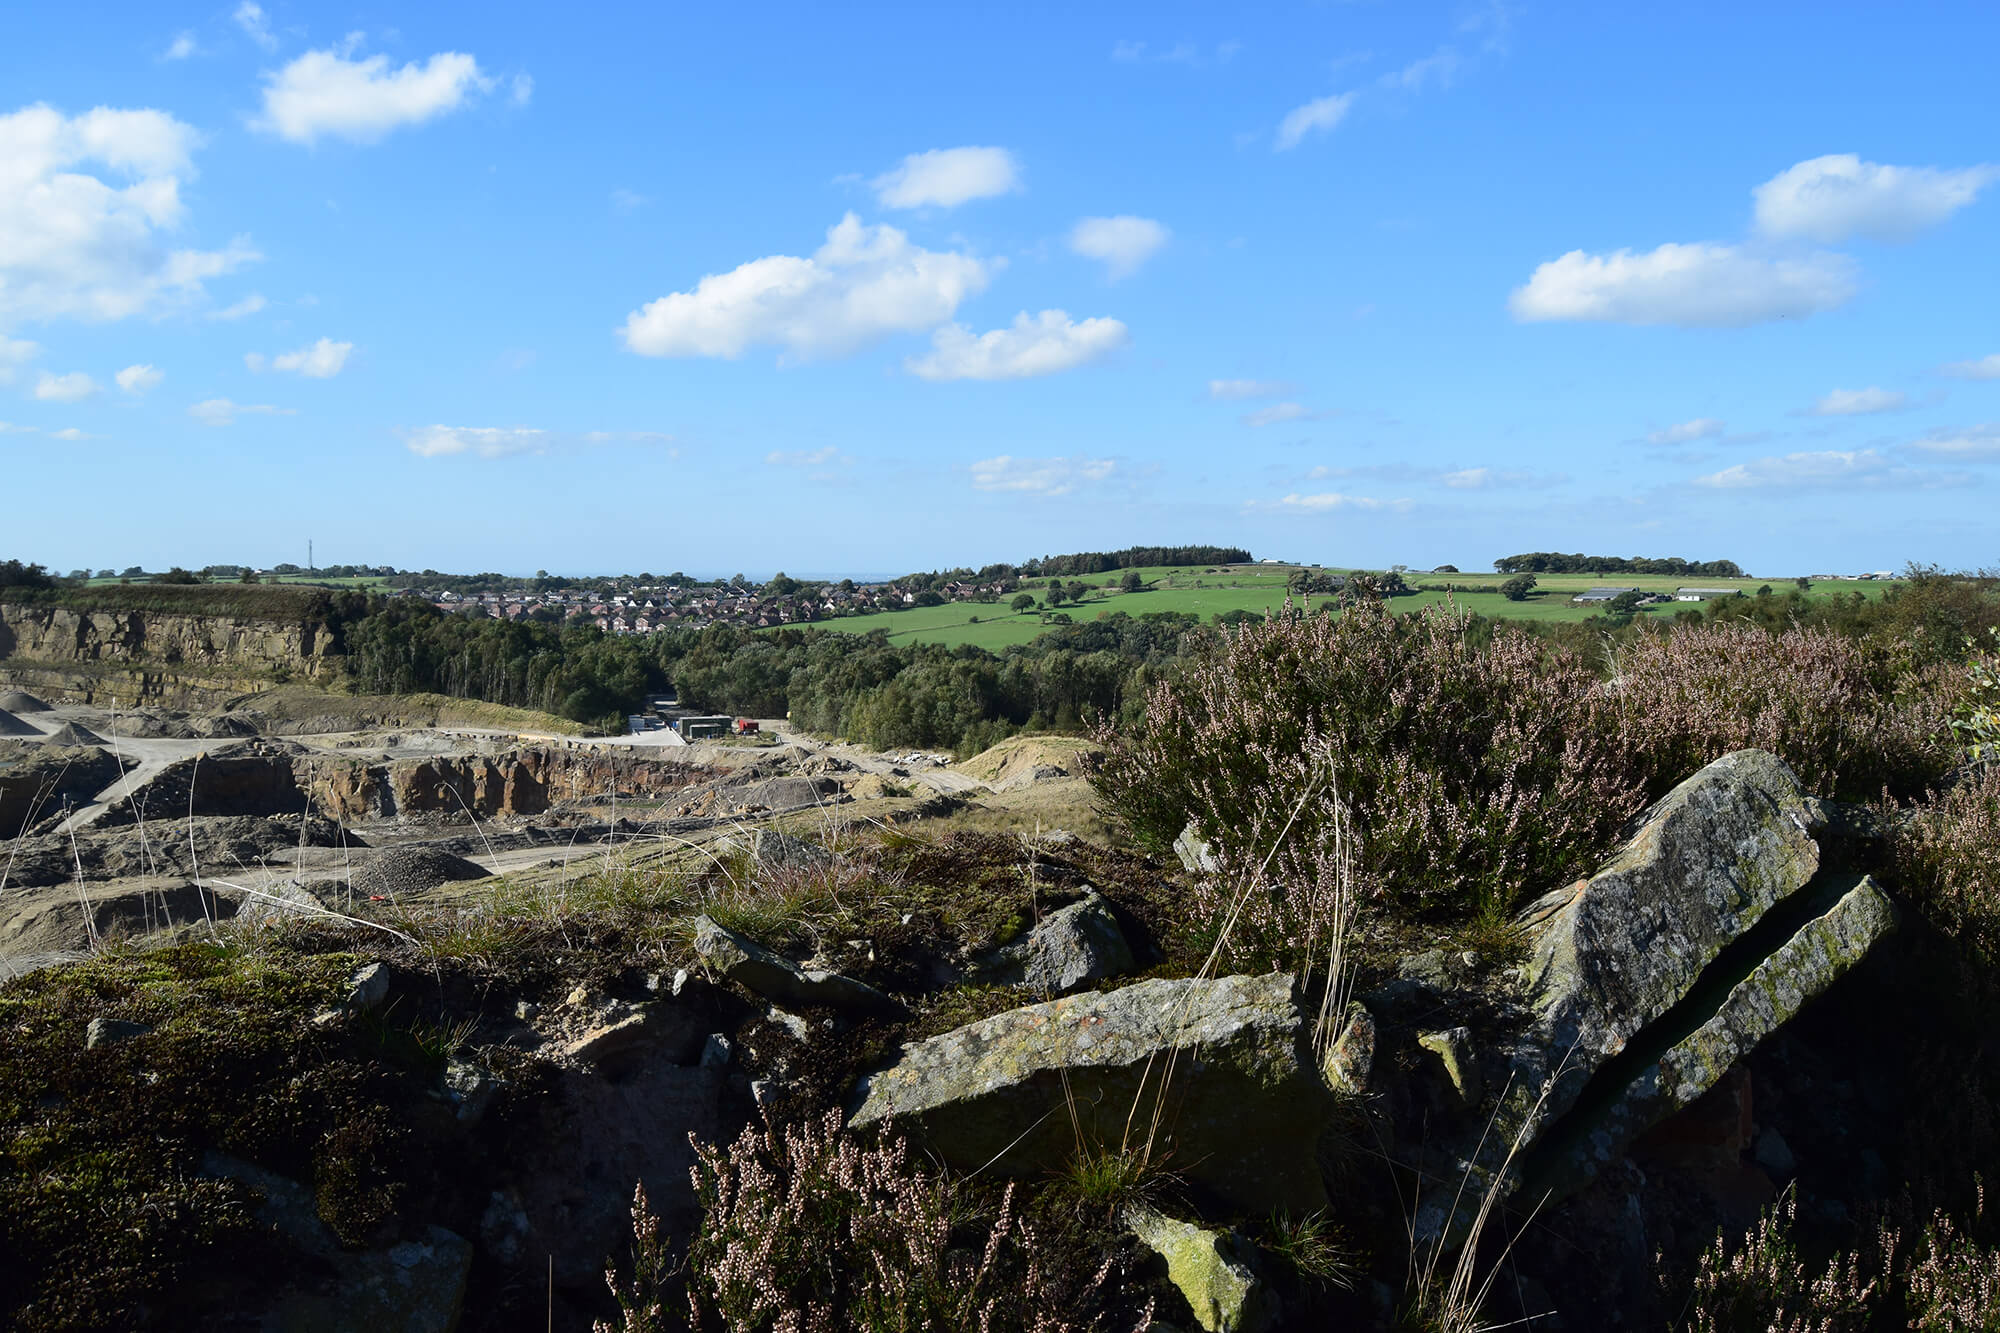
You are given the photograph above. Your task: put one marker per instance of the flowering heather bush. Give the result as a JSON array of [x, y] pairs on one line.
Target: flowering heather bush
[[805, 1230], [1473, 774], [1846, 724], [1946, 1283], [1947, 861]]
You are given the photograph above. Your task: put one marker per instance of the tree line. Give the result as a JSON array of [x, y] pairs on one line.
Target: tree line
[[1551, 562]]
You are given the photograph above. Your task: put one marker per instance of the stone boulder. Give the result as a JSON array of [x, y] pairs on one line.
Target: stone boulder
[[772, 975], [1222, 1067], [1072, 947]]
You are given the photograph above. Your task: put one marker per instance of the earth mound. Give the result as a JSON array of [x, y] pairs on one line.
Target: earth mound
[[19, 701], [412, 870], [74, 733], [14, 726], [1024, 760]]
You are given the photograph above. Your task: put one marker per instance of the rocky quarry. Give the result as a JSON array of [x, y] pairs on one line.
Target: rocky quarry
[[1649, 1054]]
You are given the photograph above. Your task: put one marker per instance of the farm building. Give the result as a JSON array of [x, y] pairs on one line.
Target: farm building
[[1702, 594], [703, 728], [1602, 595]]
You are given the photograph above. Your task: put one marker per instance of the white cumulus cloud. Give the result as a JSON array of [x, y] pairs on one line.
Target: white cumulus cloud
[[1315, 117], [1043, 344], [138, 379], [69, 388], [1039, 476], [485, 441], [181, 48], [325, 93], [1687, 432], [1859, 402], [77, 245], [1236, 390], [864, 283], [948, 177], [1837, 196], [1121, 243], [321, 360], [1980, 368], [222, 412], [1702, 285]]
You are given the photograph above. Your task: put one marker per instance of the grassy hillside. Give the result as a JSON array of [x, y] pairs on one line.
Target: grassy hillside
[[1200, 592]]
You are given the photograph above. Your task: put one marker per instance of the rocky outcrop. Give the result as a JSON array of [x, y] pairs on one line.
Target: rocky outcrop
[[1649, 980], [1214, 1074]]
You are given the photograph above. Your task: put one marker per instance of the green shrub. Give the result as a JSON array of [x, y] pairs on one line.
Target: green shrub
[[1946, 859]]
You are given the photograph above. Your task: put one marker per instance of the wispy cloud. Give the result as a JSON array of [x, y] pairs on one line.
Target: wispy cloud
[[820, 457], [1866, 469], [1034, 345], [1980, 368], [1832, 198], [249, 305], [222, 412], [1702, 285], [512, 441], [1315, 117], [1237, 390], [1329, 501], [1278, 413], [1047, 477], [1687, 432], [69, 388], [139, 379], [1858, 402], [1970, 444], [1122, 244]]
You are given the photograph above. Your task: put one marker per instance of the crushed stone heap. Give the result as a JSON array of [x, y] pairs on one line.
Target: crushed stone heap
[[19, 701], [409, 870], [14, 726], [75, 733]]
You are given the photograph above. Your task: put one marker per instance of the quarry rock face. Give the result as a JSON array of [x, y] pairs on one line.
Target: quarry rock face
[[1221, 1065]]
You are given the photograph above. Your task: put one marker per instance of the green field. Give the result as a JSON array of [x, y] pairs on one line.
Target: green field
[[1252, 588]]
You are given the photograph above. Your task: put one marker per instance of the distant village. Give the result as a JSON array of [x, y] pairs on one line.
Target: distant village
[[647, 608]]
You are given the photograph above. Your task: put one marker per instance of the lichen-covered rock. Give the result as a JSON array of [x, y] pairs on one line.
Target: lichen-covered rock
[[1624, 964], [751, 965], [1072, 947], [1239, 1118], [1194, 852], [1850, 915], [1612, 953], [1221, 1289]]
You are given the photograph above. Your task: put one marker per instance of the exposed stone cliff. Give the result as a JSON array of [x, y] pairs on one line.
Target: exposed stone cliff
[[149, 656]]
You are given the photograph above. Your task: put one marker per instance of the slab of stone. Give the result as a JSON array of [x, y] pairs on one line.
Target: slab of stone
[[775, 977], [1239, 1118]]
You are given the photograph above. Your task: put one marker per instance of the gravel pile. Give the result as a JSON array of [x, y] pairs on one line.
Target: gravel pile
[[14, 726], [76, 734], [17, 701], [411, 870]]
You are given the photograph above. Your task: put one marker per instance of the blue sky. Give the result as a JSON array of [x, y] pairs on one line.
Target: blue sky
[[851, 290]]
